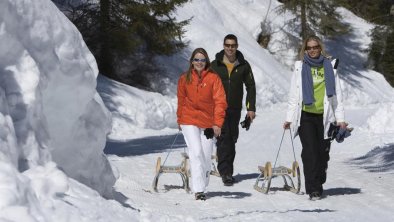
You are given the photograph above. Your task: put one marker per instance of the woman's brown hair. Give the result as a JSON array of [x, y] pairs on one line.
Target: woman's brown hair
[[207, 63]]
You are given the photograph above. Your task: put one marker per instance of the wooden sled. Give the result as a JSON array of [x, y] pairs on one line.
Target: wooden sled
[[214, 170], [182, 169], [267, 173]]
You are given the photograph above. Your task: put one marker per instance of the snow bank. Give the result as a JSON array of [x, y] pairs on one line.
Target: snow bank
[[383, 120], [136, 112], [49, 108]]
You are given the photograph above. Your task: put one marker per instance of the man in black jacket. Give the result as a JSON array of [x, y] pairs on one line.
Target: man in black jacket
[[235, 72]]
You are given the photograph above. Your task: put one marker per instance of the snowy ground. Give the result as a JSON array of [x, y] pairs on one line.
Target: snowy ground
[[354, 190]]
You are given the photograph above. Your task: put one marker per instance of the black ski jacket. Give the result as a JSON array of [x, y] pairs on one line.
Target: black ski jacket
[[233, 83]]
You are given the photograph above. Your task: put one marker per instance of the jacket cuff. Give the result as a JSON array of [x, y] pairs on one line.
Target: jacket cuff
[[251, 109], [216, 123]]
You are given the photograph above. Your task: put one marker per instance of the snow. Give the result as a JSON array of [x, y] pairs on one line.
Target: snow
[[146, 113], [53, 123], [54, 126]]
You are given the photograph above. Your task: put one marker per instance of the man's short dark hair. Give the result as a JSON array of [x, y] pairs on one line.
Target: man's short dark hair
[[232, 37]]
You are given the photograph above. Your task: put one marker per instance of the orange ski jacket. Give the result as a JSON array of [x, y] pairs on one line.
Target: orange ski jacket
[[202, 102]]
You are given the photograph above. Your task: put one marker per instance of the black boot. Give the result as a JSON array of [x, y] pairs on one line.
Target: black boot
[[227, 180], [315, 196], [200, 196]]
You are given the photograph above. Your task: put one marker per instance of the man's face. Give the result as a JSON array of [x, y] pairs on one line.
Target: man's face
[[230, 47]]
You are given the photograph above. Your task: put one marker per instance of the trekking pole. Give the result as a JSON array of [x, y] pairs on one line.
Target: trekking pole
[[168, 154]]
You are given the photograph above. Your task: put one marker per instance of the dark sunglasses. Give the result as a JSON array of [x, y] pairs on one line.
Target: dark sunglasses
[[316, 47], [230, 45], [199, 60]]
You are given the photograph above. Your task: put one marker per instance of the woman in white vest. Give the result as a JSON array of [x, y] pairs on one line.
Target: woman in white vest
[[315, 101]]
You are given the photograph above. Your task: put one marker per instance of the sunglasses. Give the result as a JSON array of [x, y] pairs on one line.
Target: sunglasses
[[199, 60], [316, 47], [230, 45]]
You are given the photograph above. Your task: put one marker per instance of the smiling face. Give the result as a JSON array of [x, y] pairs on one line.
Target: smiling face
[[313, 49], [230, 48], [199, 61]]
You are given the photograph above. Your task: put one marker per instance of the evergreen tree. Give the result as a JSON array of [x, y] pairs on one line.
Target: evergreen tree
[[381, 49], [125, 35], [387, 62], [317, 17], [363, 8], [378, 37]]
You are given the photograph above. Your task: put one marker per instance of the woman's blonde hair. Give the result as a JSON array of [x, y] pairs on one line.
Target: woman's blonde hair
[[316, 39], [207, 63]]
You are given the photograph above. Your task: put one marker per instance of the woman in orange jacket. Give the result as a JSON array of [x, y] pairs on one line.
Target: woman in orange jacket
[[201, 111]]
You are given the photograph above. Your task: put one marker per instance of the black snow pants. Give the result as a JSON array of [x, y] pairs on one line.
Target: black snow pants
[[315, 151], [226, 142]]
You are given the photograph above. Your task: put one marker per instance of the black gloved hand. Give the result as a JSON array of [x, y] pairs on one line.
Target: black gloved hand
[[208, 132], [333, 131], [338, 133], [246, 123]]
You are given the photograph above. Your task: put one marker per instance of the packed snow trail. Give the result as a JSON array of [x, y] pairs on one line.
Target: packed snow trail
[[351, 192]]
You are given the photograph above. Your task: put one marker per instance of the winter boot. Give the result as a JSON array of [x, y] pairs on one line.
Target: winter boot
[[200, 196], [315, 196], [227, 180]]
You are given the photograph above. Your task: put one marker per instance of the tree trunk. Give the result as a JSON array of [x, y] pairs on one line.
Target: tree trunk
[[304, 31], [105, 60]]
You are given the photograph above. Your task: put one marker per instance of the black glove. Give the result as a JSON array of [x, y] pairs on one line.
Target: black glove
[[338, 133], [333, 131], [208, 132], [246, 123]]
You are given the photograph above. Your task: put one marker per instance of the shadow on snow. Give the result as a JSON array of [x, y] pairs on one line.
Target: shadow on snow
[[379, 159], [341, 191], [229, 195], [241, 177], [146, 145]]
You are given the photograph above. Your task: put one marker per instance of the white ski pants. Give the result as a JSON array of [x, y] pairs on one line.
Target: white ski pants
[[200, 151]]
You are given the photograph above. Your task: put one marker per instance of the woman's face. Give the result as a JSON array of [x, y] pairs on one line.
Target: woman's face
[[313, 49], [199, 62]]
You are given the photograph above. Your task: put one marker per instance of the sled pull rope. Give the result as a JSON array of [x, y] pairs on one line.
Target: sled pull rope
[[168, 154], [280, 145], [292, 144]]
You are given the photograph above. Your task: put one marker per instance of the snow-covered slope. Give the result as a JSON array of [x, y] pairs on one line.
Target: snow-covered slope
[[212, 20]]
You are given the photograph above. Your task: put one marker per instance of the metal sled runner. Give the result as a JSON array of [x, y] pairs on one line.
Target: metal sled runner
[[267, 173]]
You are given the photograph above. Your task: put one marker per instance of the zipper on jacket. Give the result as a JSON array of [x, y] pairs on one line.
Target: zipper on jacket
[[229, 89], [229, 81], [199, 82]]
